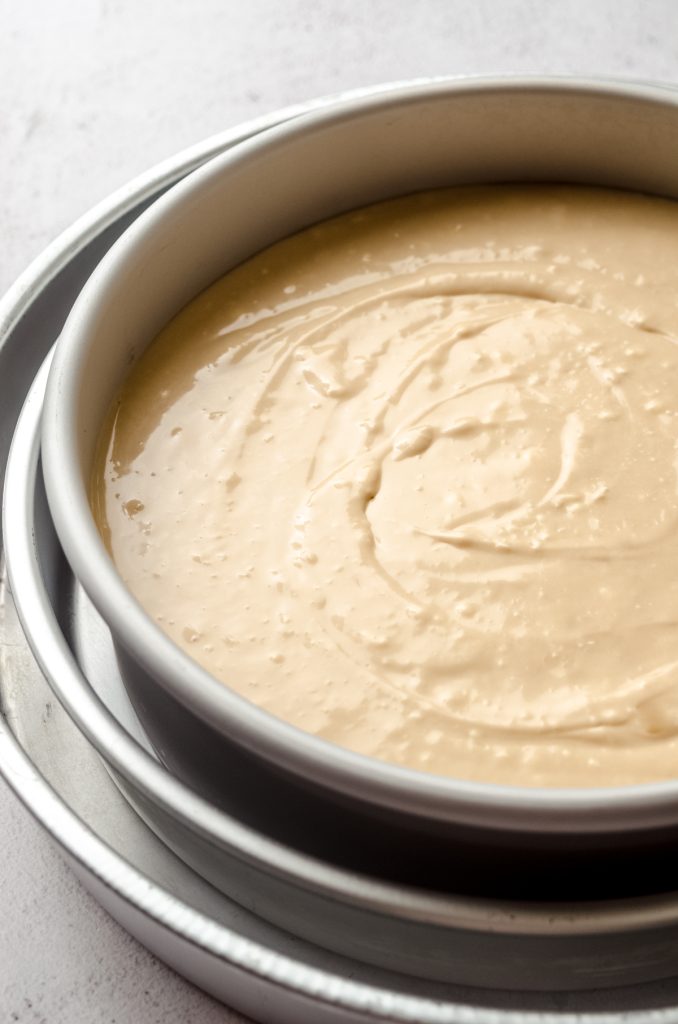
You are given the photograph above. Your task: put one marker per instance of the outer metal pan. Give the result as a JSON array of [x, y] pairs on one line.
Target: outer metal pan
[[487, 839], [45, 760]]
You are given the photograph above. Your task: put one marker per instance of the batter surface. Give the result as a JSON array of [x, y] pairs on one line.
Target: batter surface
[[409, 480]]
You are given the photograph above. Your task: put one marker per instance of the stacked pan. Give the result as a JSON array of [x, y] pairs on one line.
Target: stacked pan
[[443, 897]]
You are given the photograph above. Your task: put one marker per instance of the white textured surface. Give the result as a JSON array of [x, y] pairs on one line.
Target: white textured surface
[[93, 92]]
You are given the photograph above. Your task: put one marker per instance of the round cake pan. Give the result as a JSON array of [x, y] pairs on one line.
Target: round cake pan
[[398, 823], [263, 972]]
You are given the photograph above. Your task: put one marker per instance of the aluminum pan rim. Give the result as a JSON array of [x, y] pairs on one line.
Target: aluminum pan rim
[[594, 810], [99, 860]]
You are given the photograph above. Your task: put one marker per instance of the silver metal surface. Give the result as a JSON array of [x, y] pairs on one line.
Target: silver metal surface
[[56, 773], [413, 137]]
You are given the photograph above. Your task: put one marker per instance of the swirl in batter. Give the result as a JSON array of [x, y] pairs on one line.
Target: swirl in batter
[[409, 480]]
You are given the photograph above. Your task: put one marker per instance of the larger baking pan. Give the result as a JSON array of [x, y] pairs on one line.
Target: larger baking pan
[[258, 969]]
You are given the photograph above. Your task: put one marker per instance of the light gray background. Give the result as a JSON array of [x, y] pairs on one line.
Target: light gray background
[[93, 92]]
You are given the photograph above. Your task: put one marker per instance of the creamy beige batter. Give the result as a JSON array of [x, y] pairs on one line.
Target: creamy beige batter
[[409, 480]]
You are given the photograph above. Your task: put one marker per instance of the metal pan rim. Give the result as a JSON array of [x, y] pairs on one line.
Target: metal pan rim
[[593, 810], [93, 854]]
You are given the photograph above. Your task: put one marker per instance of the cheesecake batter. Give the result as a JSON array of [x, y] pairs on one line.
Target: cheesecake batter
[[409, 480]]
